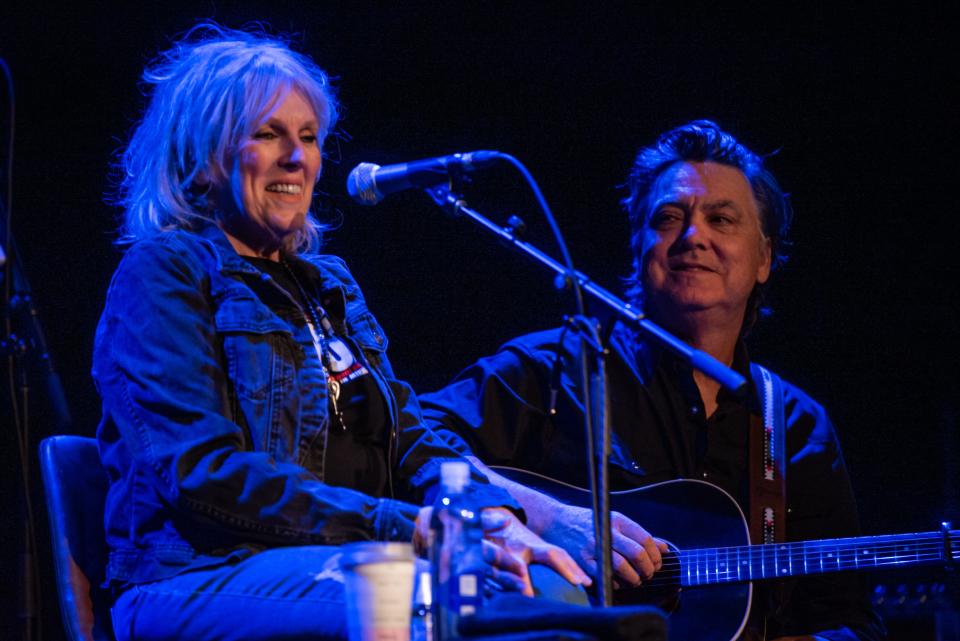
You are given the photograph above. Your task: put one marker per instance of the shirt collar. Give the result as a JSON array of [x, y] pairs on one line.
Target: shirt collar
[[229, 261], [644, 358]]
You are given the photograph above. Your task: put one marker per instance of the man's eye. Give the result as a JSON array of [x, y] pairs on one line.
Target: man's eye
[[722, 219], [664, 219]]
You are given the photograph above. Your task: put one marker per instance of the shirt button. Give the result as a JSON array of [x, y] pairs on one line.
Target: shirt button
[[694, 410], [704, 475]]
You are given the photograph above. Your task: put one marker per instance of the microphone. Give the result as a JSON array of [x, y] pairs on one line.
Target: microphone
[[368, 183]]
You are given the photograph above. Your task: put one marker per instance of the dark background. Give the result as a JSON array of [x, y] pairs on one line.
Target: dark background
[[854, 103]]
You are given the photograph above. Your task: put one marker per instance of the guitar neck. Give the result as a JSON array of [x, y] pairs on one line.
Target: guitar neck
[[709, 566]]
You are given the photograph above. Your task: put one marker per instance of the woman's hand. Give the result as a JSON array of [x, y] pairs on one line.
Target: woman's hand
[[503, 529], [509, 547], [636, 554]]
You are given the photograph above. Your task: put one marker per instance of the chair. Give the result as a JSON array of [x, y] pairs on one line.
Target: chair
[[76, 489]]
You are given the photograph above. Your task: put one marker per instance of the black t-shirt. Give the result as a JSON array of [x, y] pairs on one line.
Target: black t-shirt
[[357, 437], [713, 448]]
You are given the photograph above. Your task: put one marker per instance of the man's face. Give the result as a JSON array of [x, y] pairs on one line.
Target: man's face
[[703, 246]]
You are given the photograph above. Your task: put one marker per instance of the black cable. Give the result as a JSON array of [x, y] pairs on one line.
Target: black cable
[[561, 243], [33, 601]]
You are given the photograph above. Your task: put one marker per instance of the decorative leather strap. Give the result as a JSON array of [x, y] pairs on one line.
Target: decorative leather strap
[[767, 460]]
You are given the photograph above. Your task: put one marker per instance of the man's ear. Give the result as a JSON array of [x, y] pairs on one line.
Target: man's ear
[[766, 260]]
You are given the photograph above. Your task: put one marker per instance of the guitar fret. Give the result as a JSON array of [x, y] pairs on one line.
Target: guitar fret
[[698, 566], [716, 566]]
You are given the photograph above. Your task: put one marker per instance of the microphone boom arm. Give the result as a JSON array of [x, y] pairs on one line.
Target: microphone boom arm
[[456, 206]]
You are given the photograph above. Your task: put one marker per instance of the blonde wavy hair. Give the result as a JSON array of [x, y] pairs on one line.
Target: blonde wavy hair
[[206, 95]]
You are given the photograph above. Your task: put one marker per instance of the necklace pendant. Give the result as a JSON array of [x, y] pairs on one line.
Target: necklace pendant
[[333, 387]]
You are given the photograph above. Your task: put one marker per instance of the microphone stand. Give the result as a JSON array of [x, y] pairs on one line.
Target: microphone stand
[[593, 369], [24, 345]]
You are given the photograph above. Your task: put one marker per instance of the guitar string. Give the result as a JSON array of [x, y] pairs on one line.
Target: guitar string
[[842, 546], [799, 549], [757, 553], [712, 577], [703, 564], [711, 560]]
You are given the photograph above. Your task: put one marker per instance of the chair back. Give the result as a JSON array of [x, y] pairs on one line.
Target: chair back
[[76, 489]]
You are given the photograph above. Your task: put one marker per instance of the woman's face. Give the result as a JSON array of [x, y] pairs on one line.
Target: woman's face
[[273, 177]]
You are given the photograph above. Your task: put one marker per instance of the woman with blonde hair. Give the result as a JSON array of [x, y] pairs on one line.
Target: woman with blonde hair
[[251, 419]]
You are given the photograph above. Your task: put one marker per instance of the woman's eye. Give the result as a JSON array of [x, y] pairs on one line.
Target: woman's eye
[[264, 135], [310, 139]]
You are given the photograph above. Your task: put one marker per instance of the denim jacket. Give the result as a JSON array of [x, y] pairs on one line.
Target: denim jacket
[[206, 431]]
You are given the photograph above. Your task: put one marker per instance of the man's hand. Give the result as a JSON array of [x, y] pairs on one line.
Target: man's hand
[[636, 554], [509, 546]]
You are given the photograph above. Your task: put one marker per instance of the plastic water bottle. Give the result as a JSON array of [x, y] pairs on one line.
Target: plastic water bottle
[[457, 567], [421, 617]]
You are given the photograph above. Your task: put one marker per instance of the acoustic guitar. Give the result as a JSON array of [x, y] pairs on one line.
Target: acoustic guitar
[[705, 585]]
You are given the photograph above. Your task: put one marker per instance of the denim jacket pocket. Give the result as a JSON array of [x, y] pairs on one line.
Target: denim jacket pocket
[[368, 335], [260, 353]]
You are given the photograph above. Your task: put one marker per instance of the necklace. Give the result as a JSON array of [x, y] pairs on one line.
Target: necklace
[[317, 320]]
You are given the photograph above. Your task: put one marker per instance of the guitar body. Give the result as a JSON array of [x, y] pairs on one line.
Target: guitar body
[[687, 514]]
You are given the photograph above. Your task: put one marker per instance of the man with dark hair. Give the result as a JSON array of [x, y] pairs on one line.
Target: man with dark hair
[[708, 226]]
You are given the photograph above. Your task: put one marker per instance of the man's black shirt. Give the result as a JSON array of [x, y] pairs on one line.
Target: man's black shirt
[[499, 409]]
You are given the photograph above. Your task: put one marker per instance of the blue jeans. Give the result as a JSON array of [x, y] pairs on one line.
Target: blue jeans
[[282, 594]]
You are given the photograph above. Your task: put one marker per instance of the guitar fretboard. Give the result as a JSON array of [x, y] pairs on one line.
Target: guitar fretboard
[[707, 566]]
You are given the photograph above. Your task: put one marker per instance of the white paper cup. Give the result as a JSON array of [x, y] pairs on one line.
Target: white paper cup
[[378, 578]]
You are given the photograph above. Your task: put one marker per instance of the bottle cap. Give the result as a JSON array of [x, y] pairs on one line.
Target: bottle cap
[[455, 475]]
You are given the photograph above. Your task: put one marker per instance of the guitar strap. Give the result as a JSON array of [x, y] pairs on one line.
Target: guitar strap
[[767, 460]]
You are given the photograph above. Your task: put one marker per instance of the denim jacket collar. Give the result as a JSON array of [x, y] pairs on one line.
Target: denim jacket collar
[[229, 261]]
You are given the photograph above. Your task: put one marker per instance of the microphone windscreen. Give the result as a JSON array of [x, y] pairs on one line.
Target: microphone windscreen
[[362, 184]]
